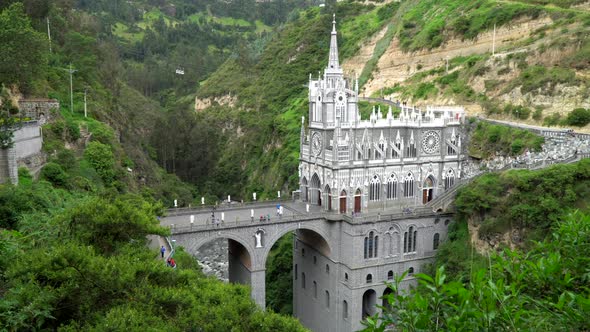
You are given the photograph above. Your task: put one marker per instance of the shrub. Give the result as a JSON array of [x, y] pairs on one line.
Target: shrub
[[58, 128], [66, 159], [102, 160], [578, 117], [517, 146], [552, 120], [73, 131], [538, 114], [55, 174]]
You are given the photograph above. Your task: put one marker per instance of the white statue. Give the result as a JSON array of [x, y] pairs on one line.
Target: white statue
[[258, 236]]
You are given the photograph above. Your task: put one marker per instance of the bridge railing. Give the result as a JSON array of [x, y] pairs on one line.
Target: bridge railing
[[303, 216], [224, 207]]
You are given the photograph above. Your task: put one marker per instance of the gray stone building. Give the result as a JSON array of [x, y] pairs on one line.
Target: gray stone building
[[353, 166], [26, 151]]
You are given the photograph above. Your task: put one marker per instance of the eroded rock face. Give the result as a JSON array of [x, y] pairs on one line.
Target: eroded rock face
[[213, 259]]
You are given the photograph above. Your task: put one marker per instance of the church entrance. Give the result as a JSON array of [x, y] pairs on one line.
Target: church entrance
[[343, 201], [357, 201], [428, 190], [316, 194]]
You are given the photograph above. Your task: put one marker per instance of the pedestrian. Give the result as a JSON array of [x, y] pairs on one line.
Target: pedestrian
[[172, 263], [162, 251]]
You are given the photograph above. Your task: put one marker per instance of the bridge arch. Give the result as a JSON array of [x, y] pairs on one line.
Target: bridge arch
[[318, 239]]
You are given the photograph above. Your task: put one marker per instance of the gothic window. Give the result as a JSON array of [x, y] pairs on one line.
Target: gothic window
[[375, 188], [435, 241], [344, 309], [409, 185], [410, 271], [410, 240], [382, 147], [345, 276], [369, 278], [327, 269], [302, 252], [391, 189], [315, 260], [394, 153], [303, 280], [447, 222], [449, 178], [327, 299], [315, 290], [411, 150], [451, 151], [295, 272], [371, 243], [390, 275]]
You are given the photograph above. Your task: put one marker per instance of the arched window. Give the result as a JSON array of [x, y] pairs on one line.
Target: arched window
[[344, 309], [375, 188], [369, 278], [345, 276], [447, 222], [315, 290], [410, 240], [391, 188], [390, 275], [449, 178], [295, 272], [327, 269], [410, 271], [371, 243], [327, 299], [435, 241], [409, 185], [303, 280]]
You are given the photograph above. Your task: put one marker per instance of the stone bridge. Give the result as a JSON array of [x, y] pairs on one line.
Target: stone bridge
[[250, 239]]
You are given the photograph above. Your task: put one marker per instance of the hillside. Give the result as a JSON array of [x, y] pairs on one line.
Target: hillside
[[398, 50], [539, 61]]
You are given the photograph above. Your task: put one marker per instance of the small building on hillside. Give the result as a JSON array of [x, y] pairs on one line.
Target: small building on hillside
[[38, 108]]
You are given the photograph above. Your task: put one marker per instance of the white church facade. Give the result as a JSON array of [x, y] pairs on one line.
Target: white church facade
[[349, 164]]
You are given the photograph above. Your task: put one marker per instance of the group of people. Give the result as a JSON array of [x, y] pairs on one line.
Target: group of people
[[170, 261]]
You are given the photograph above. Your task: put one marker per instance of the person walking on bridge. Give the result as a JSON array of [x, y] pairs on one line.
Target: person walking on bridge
[[162, 251]]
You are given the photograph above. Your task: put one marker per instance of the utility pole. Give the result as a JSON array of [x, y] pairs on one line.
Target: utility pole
[[494, 41], [49, 34], [85, 109], [71, 71]]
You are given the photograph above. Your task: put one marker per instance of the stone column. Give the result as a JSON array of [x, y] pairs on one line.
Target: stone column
[[259, 287]]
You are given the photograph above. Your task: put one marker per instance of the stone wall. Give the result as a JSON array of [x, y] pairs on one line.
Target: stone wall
[[38, 109], [28, 141]]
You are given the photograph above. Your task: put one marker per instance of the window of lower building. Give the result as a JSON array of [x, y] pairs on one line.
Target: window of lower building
[[369, 278]]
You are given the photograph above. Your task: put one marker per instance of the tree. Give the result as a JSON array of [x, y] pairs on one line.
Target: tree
[[22, 49], [7, 121]]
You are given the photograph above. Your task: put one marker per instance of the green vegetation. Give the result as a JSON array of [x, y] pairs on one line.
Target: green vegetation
[[80, 262], [541, 79], [579, 117], [279, 276], [544, 287], [18, 37], [489, 139]]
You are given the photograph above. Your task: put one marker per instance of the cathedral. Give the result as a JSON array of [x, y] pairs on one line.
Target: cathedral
[[402, 158]]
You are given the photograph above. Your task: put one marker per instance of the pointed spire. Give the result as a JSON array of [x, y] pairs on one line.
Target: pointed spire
[[333, 62]]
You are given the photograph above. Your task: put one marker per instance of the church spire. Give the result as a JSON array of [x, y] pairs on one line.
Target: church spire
[[333, 60]]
